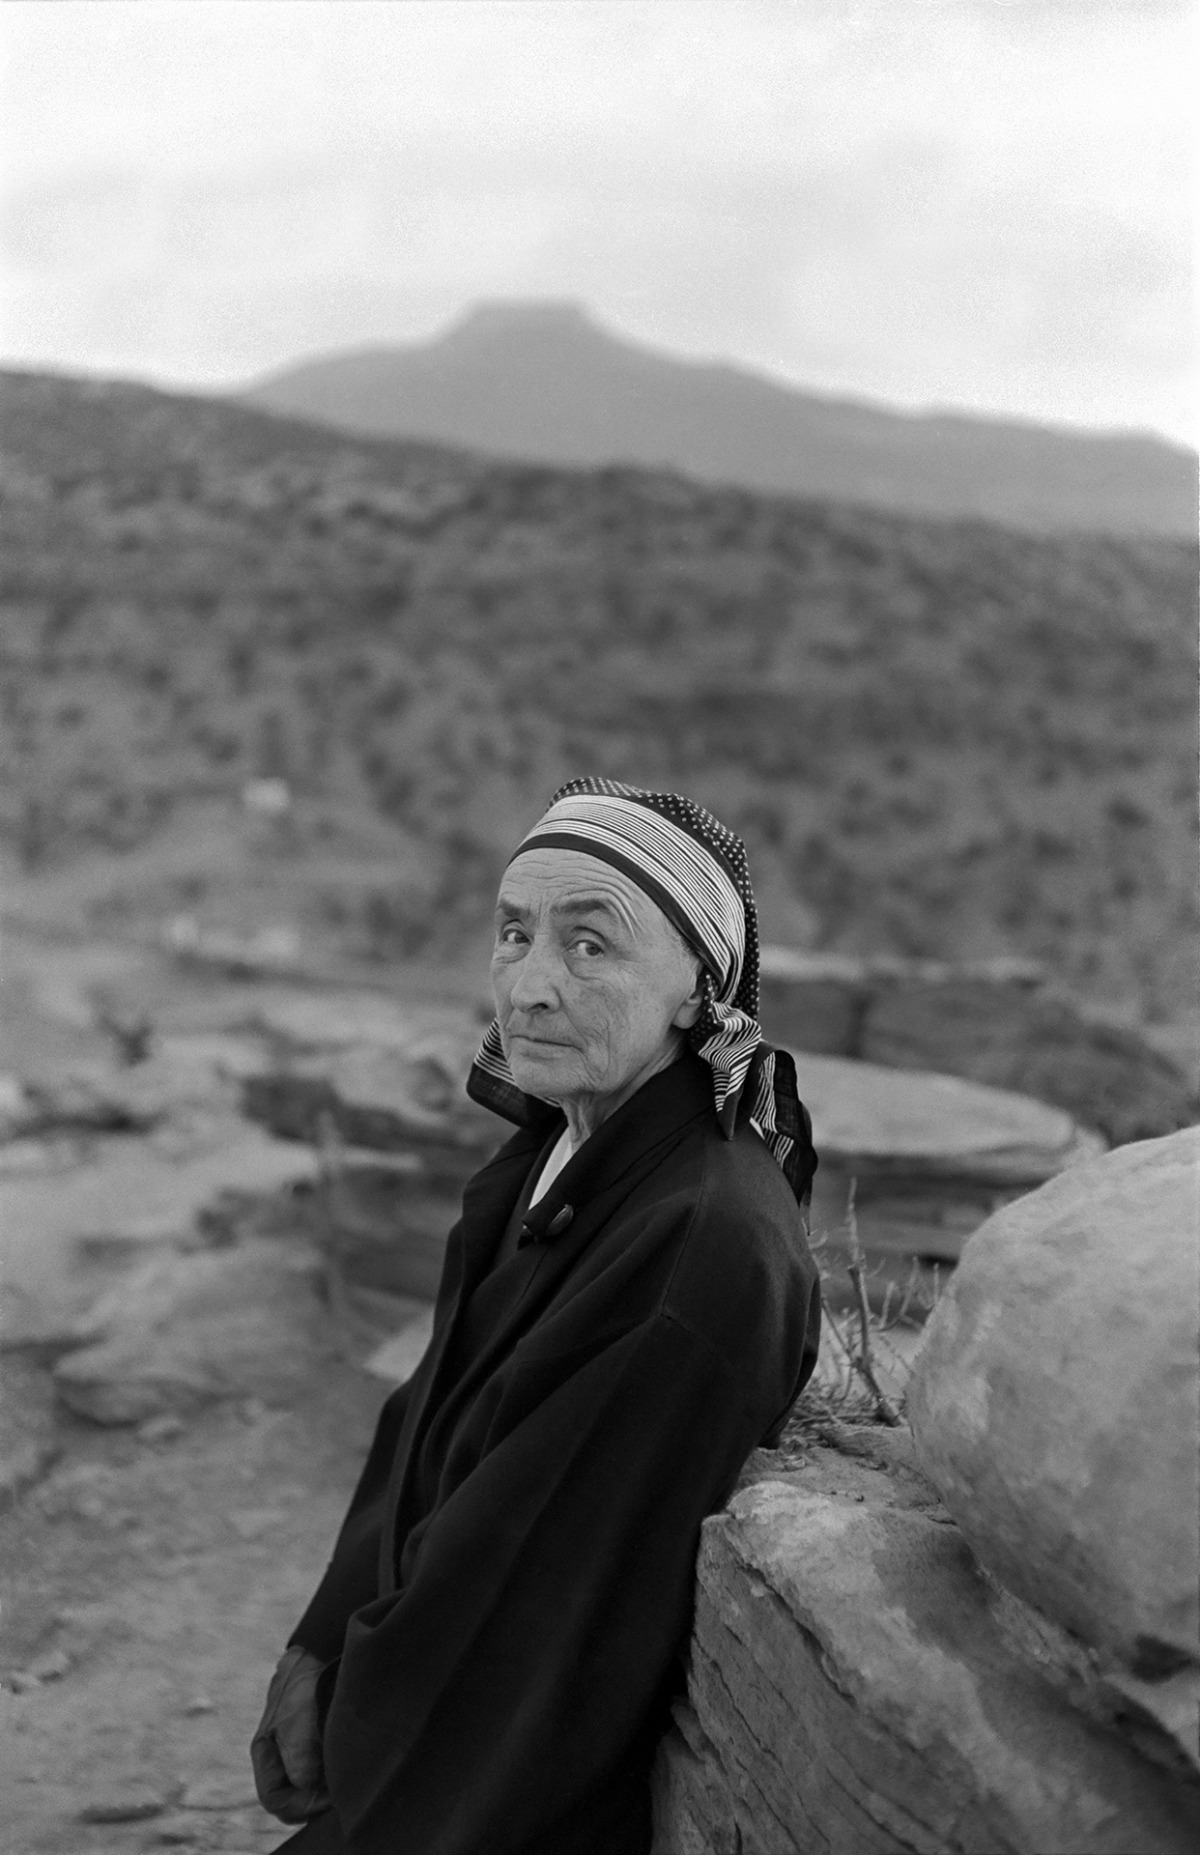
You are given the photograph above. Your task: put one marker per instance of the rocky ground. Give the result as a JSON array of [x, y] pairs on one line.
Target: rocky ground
[[182, 1401], [151, 1578], [150, 1570], [183, 1409]]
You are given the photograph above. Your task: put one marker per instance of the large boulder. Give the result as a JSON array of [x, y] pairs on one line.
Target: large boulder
[[1056, 1401], [854, 1685]]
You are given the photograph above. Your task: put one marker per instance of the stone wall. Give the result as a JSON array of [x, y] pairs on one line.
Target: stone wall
[[856, 1684], [1000, 1023]]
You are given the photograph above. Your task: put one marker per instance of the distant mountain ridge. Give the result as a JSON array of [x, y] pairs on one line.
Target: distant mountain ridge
[[545, 383]]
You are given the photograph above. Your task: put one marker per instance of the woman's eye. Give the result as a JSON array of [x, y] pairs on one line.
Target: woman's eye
[[510, 936], [586, 945]]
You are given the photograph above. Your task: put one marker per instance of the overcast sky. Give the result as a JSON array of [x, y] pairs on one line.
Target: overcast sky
[[977, 203]]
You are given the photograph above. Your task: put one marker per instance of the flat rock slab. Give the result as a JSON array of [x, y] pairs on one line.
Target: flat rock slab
[[1108, 1075], [23, 1463], [129, 1800], [203, 1054], [382, 1107], [185, 1331], [869, 1117], [821, 1001], [931, 1157], [124, 1188], [856, 1685], [383, 1074], [338, 1017]]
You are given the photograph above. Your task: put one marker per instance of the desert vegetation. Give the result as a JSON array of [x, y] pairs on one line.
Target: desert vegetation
[[938, 738]]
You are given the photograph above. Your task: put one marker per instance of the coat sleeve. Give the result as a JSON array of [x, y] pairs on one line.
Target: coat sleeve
[[533, 1638], [351, 1579]]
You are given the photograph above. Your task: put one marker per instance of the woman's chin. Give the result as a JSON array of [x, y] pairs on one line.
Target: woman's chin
[[541, 1076]]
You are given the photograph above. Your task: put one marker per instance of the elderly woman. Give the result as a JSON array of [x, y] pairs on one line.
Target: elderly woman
[[628, 1307]]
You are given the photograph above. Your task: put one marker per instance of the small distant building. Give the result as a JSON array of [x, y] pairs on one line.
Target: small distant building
[[267, 798], [182, 934]]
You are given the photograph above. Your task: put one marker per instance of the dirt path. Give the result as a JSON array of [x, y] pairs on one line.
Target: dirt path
[[149, 1576], [148, 1587]]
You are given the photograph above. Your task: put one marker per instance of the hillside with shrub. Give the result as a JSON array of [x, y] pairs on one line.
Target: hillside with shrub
[[938, 738]]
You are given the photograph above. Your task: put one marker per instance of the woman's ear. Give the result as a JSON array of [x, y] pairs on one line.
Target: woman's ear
[[689, 1011]]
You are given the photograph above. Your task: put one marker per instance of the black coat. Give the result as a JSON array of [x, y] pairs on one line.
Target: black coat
[[513, 1580]]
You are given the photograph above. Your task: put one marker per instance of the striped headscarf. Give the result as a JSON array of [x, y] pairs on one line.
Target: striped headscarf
[[695, 870]]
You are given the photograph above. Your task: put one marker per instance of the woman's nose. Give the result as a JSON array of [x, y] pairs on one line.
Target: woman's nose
[[535, 983]]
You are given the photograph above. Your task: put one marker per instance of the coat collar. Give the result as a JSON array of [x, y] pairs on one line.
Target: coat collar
[[659, 1110]]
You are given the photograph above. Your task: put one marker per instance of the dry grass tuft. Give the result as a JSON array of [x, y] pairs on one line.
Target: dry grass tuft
[[866, 1356]]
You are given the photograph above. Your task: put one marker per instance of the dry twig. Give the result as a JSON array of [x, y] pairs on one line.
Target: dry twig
[[861, 1359]]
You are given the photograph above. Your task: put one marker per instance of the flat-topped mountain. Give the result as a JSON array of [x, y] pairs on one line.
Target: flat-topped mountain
[[546, 383]]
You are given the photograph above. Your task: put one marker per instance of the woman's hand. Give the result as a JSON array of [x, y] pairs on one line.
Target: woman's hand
[[286, 1749]]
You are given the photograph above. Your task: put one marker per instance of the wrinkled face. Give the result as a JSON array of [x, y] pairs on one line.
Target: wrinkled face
[[593, 986]]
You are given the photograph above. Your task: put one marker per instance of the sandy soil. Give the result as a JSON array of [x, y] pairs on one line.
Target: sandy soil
[[148, 1587], [148, 1577]]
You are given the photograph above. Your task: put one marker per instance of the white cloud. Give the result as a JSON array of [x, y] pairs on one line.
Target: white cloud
[[951, 200]]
